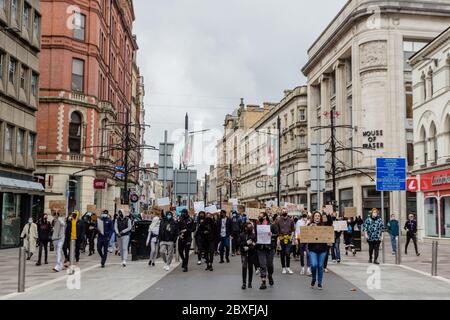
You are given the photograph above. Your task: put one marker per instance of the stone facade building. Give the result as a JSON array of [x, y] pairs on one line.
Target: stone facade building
[[88, 49], [357, 67], [19, 79], [431, 89]]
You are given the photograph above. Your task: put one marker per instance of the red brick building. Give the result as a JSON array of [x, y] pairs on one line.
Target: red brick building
[[86, 67]]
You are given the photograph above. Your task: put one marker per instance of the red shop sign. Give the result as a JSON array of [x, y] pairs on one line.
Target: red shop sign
[[434, 181], [412, 184], [100, 184]]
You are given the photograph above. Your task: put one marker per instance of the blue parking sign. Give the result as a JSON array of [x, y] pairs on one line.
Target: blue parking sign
[[391, 174]]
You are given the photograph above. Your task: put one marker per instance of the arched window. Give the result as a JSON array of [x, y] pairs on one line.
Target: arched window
[[423, 143], [433, 143], [75, 133]]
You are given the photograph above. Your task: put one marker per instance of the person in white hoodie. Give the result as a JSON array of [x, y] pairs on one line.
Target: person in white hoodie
[[122, 228], [152, 239], [58, 236], [302, 247]]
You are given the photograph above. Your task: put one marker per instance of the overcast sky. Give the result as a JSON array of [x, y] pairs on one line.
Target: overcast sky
[[202, 56]]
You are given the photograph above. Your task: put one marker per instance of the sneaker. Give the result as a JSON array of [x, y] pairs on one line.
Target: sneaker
[[153, 264], [334, 261], [124, 264], [263, 286], [326, 270], [284, 271], [244, 286], [346, 253], [150, 263], [320, 287], [302, 271], [228, 260], [339, 261], [257, 271], [167, 268], [370, 260], [250, 286], [38, 263], [313, 284], [271, 283], [221, 261], [103, 265], [207, 268], [199, 262], [185, 269], [290, 271], [376, 262], [418, 254], [211, 268], [308, 272], [394, 253]]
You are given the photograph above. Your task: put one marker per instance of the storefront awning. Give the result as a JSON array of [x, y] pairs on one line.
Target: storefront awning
[[24, 187]]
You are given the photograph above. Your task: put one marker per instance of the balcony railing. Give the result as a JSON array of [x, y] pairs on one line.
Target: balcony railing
[[76, 157]]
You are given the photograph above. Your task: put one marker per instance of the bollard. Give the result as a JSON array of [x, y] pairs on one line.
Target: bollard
[[434, 257], [22, 264], [72, 257]]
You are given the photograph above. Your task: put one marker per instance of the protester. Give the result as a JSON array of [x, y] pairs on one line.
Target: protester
[[236, 229], [348, 237], [266, 252], [168, 233], [286, 229], [336, 247], [29, 236], [207, 236], [374, 228], [317, 254], [152, 239], [302, 247], [224, 231], [394, 229], [105, 228], [91, 233], [411, 234], [58, 235], [185, 226], [44, 237], [247, 242], [74, 232], [113, 240], [122, 228], [198, 239]]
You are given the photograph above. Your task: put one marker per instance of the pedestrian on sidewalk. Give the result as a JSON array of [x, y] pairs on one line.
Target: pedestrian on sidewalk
[[411, 233], [374, 228], [113, 240], [286, 229], [44, 237], [122, 228], [185, 226], [105, 228], [200, 220], [302, 247], [152, 239], [207, 234], [266, 252], [247, 244], [58, 236], [74, 232], [317, 254], [327, 221], [224, 230], [393, 229], [348, 237], [29, 236], [236, 229], [168, 233], [336, 247], [92, 233]]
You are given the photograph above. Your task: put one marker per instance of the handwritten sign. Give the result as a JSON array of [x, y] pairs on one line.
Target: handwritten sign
[[340, 225], [58, 205], [163, 202], [211, 209], [263, 234], [91, 208], [253, 213], [350, 212], [317, 234]]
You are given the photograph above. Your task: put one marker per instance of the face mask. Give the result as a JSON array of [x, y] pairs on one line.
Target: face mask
[[249, 230], [45, 218], [261, 219], [104, 215], [30, 221], [169, 217], [317, 220], [285, 214], [374, 215], [74, 216]]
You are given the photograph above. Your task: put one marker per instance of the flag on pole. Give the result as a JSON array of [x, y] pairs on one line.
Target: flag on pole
[[272, 150], [187, 152]]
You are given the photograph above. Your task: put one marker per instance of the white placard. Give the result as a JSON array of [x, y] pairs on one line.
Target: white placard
[[199, 206], [263, 234], [163, 202], [211, 209], [340, 225], [234, 202]]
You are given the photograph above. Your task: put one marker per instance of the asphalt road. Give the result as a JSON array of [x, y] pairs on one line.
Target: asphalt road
[[225, 282]]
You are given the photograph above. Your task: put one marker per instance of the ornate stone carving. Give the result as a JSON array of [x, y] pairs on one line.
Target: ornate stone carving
[[373, 54]]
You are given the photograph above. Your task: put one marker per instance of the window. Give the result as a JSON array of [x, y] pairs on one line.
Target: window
[[12, 70], [410, 47], [14, 10], [2, 4], [2, 62], [79, 24], [31, 143], [302, 114], [78, 75], [26, 16], [302, 142], [8, 138], [34, 84], [23, 77], [36, 25], [409, 101], [20, 142], [75, 133]]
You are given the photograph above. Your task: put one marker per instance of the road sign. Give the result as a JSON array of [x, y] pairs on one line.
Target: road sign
[[317, 165], [185, 182], [391, 174], [412, 184], [165, 165]]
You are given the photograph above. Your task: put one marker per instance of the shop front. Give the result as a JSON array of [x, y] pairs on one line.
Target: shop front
[[436, 190]]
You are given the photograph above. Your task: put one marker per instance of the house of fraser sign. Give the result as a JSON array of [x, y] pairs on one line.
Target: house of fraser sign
[[373, 139]]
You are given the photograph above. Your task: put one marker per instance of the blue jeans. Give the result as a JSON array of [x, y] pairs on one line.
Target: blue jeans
[[394, 243], [317, 261], [224, 248], [337, 249]]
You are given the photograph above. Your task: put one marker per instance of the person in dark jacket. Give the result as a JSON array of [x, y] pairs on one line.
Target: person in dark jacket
[[224, 232], [348, 236], [317, 254], [105, 229], [207, 235], [266, 252], [44, 237], [247, 246], [91, 233], [122, 228], [411, 233], [374, 228], [394, 230], [236, 229], [200, 250], [76, 233], [185, 226], [168, 234]]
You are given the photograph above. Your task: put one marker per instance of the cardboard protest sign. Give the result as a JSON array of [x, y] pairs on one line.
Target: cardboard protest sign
[[253, 213], [163, 202], [179, 209], [234, 202], [253, 204], [211, 209], [264, 235], [91, 208], [329, 209], [317, 234], [340, 225], [58, 205], [350, 212], [199, 206]]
